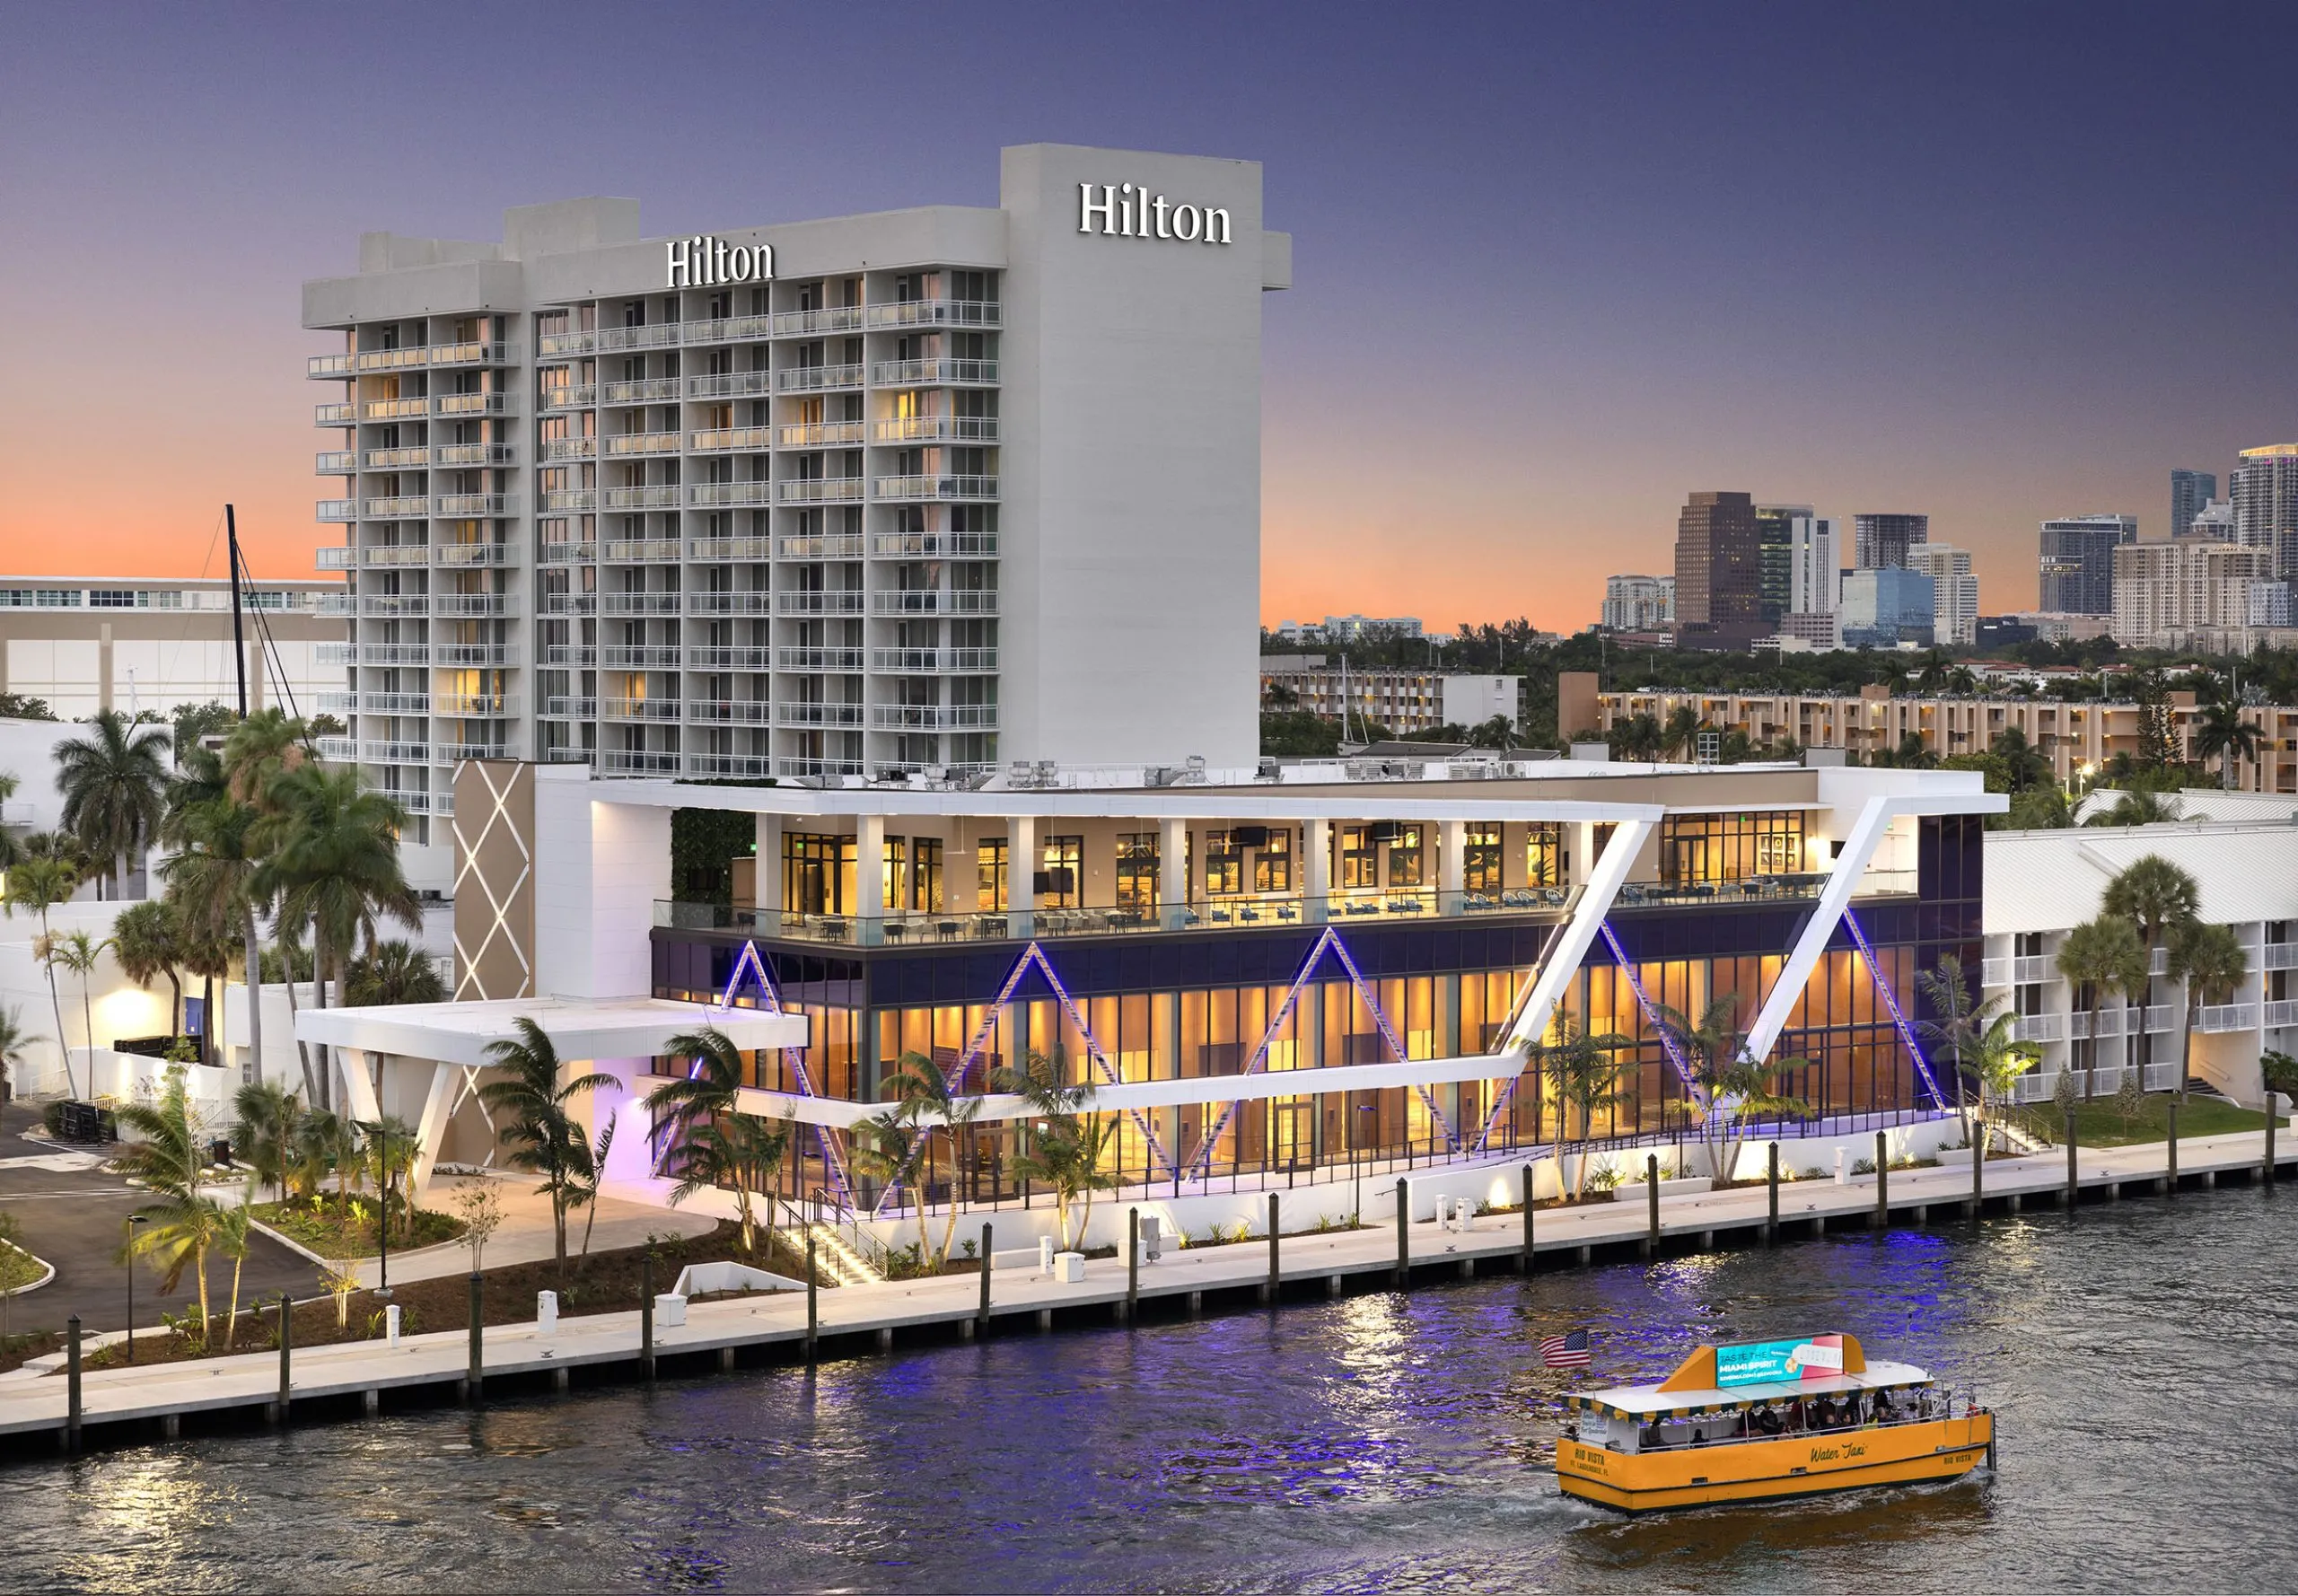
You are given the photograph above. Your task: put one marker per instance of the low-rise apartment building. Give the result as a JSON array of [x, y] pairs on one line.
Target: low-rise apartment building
[[1401, 701]]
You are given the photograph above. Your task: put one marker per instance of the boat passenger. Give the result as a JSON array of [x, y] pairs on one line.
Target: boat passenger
[[1653, 1438], [1768, 1421], [1885, 1411], [1797, 1418]]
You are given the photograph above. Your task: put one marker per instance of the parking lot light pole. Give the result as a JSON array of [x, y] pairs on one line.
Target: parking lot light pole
[[133, 1220]]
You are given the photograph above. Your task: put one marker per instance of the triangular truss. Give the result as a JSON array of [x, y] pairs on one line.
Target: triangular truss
[[1507, 1029], [795, 1059], [1330, 940]]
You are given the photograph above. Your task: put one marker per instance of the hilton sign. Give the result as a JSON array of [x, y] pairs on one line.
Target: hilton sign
[[705, 262], [1128, 212]]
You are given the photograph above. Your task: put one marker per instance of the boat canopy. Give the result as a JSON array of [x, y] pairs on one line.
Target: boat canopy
[[1727, 1377]]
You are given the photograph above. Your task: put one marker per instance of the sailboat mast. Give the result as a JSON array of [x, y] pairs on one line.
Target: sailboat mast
[[239, 639]]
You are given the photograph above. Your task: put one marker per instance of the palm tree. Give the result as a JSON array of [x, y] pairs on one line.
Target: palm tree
[[81, 953], [333, 864], [707, 1091], [545, 1136], [1681, 730], [1998, 1061], [1727, 1084], [2221, 729], [265, 1130], [1947, 994], [9, 850], [1584, 1072], [212, 958], [2154, 895], [741, 1151], [388, 1149], [919, 1082], [2142, 806], [13, 1040], [393, 972], [2101, 956], [268, 744], [1936, 668], [1068, 1143], [327, 1143], [235, 1229], [113, 782], [40, 883], [885, 1146], [181, 1221], [2211, 960], [147, 940], [211, 882]]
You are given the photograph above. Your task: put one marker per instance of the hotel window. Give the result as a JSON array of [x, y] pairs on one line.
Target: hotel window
[[1136, 870], [989, 856], [1700, 848], [1480, 858], [817, 872], [895, 886], [1223, 866], [1060, 879], [1405, 857], [111, 597], [1359, 866], [59, 598], [926, 876], [1272, 862], [1544, 860]]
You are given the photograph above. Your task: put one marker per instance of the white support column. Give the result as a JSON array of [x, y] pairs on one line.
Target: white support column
[[1579, 933], [1584, 855], [1451, 848], [431, 1128], [1173, 873], [767, 873], [1317, 845], [1021, 876], [1858, 848], [870, 877], [357, 1067]]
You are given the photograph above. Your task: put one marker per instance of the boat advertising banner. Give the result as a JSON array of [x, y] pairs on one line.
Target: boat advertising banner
[[1761, 1362]]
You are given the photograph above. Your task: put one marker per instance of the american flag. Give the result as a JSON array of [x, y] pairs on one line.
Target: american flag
[[1566, 1352]]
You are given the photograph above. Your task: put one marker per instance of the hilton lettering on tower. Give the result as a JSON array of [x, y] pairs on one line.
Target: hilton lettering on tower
[[1125, 210], [705, 262]]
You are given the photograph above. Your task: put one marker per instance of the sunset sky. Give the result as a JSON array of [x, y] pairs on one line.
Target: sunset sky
[[1555, 266]]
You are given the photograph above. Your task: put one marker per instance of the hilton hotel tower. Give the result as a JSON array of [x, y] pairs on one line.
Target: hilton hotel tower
[[912, 495]]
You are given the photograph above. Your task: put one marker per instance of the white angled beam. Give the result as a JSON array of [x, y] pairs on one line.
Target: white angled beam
[[431, 1128], [1858, 848], [1578, 935]]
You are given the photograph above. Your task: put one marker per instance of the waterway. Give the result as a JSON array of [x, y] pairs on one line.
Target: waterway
[[2144, 1359]]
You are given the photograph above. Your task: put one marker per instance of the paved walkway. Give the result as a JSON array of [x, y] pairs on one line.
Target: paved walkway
[[527, 1235], [29, 1404]]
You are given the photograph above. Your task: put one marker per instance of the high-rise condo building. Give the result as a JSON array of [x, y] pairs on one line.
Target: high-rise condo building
[[2264, 494], [1719, 600], [2213, 523], [1885, 607], [1814, 563], [910, 494], [1880, 539], [1639, 603], [1954, 592], [2077, 563], [1776, 557], [2165, 592], [2190, 492]]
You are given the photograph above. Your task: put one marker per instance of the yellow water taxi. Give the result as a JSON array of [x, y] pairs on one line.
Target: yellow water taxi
[[1765, 1420]]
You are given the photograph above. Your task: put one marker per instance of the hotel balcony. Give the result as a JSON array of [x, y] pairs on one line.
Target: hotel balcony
[[904, 489], [915, 545], [492, 655], [576, 448], [842, 600], [935, 600], [470, 606], [336, 462], [933, 661], [570, 396], [476, 352], [471, 554], [641, 390], [579, 655], [800, 324], [934, 374], [334, 556], [720, 656], [562, 344], [645, 443], [395, 409], [471, 404], [935, 718], [337, 748], [560, 501], [726, 439], [415, 459], [579, 709], [836, 660], [384, 753], [817, 378], [821, 434], [333, 367], [728, 329], [389, 360], [447, 753], [819, 546], [661, 498], [638, 709], [818, 715], [935, 429], [729, 602], [730, 493], [337, 510], [475, 454], [636, 761], [822, 490], [399, 506], [937, 312], [569, 604], [663, 335], [386, 703], [728, 549], [750, 767], [638, 656], [640, 551], [334, 415], [374, 654], [377, 606], [729, 711], [638, 603], [375, 556], [476, 503], [730, 385]]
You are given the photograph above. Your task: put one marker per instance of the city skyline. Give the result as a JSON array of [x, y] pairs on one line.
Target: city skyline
[[1551, 281]]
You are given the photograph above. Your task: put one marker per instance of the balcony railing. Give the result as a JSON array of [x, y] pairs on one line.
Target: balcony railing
[[397, 506], [378, 606], [415, 459], [328, 365], [729, 329], [729, 602], [395, 409], [2278, 955], [469, 605], [570, 396], [821, 434], [663, 496], [374, 654], [334, 415], [475, 454], [927, 546], [562, 344], [336, 462], [392, 702], [722, 494], [721, 656], [841, 660], [2227, 1016], [389, 360], [820, 546], [799, 324], [794, 764], [577, 654], [337, 510], [930, 662], [936, 429], [582, 709], [564, 500], [638, 603], [477, 653], [641, 550], [817, 378], [474, 352], [645, 443], [476, 503], [380, 556], [937, 312], [747, 765], [449, 752], [334, 556], [730, 385], [640, 390], [661, 335], [629, 761], [822, 490], [638, 709], [818, 715], [935, 718], [728, 549], [471, 554], [568, 603], [930, 373], [576, 448], [734, 712], [567, 553], [936, 600], [2282, 1013], [394, 753], [637, 656], [724, 439], [471, 404], [844, 601], [935, 487]]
